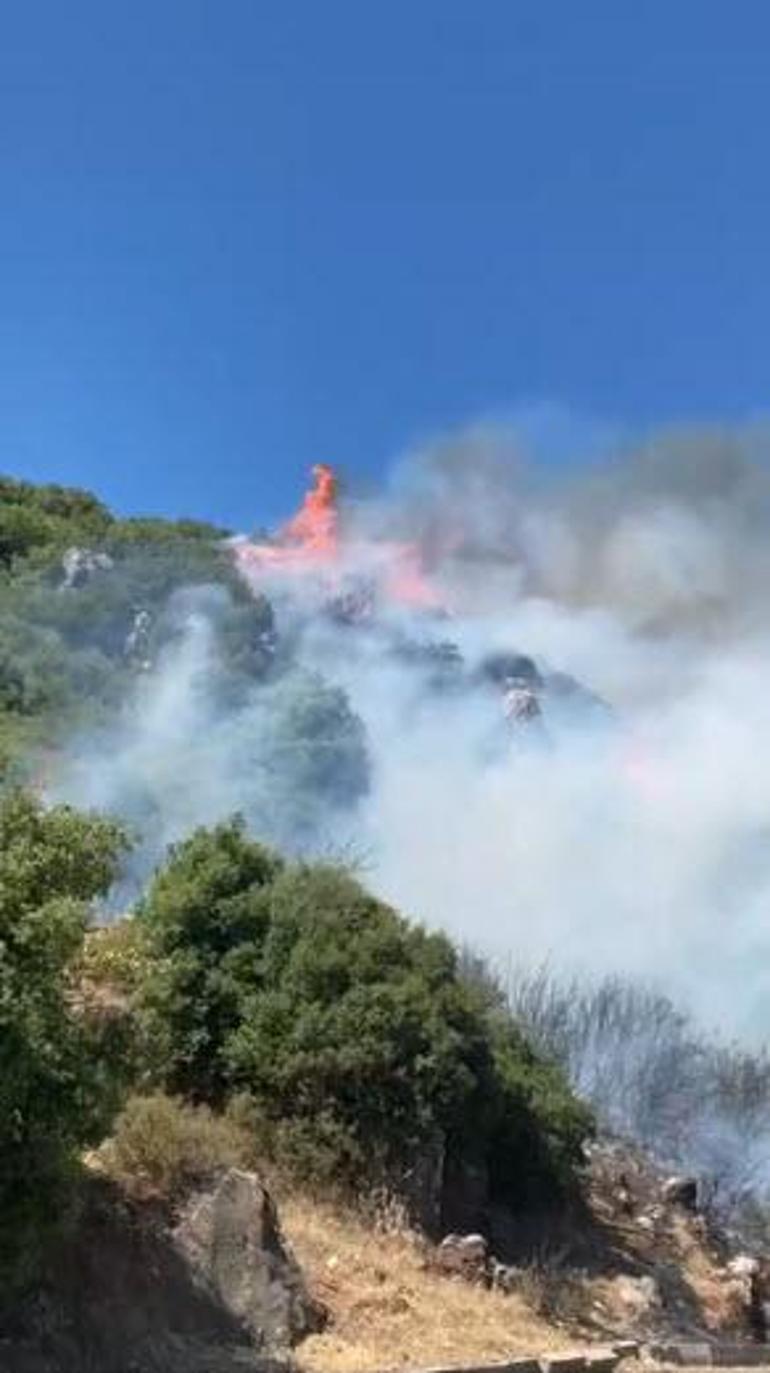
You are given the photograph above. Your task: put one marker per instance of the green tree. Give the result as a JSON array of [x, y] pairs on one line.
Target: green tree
[[351, 1029], [317, 744], [65, 660], [56, 1089], [37, 522], [206, 916]]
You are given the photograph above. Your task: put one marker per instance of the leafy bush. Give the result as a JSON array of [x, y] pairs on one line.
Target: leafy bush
[[350, 1028], [66, 660], [55, 1091], [317, 745], [35, 520], [165, 1144]]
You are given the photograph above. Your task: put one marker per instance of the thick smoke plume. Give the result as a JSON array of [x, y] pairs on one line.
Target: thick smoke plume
[[621, 827]]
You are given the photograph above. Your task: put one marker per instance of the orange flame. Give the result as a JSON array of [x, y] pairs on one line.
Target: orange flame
[[311, 541], [315, 526]]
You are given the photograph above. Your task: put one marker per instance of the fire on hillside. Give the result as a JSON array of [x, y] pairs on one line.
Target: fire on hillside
[[316, 544]]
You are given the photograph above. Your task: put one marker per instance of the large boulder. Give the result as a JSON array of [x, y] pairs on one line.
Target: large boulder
[[463, 1256], [135, 1289], [229, 1238]]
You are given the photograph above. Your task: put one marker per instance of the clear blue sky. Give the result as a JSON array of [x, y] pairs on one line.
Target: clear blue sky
[[237, 237]]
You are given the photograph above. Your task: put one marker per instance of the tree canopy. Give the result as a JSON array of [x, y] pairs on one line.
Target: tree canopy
[[350, 1028], [56, 1092]]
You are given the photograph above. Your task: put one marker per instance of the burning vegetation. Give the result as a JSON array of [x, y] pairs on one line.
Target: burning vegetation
[[401, 685], [353, 572]]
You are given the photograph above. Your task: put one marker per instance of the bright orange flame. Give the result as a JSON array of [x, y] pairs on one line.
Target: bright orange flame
[[311, 541], [315, 526]]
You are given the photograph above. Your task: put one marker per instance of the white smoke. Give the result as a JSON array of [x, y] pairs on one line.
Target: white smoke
[[186, 752], [638, 844], [643, 849]]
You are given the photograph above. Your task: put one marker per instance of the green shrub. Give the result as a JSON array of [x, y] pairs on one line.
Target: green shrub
[[63, 659], [350, 1029], [56, 1087]]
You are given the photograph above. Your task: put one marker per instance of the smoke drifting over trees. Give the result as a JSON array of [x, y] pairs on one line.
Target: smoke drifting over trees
[[530, 703], [629, 836]]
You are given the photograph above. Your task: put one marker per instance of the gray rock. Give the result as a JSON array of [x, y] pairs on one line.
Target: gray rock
[[230, 1240], [132, 1290], [464, 1255], [79, 565], [681, 1191]]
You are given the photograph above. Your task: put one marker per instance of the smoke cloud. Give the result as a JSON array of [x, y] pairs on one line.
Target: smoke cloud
[[628, 829]]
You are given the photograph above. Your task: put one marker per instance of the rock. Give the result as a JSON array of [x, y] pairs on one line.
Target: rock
[[563, 1363], [626, 1349], [624, 1201], [80, 564], [681, 1191], [743, 1266], [740, 1355], [230, 1240], [601, 1360], [463, 1255], [498, 669], [682, 1353], [132, 1290], [505, 1277], [639, 1297], [745, 1296], [137, 646]]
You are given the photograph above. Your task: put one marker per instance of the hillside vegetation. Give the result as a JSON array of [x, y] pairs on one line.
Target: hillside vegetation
[[348, 1041], [344, 1037], [256, 1009], [65, 622]]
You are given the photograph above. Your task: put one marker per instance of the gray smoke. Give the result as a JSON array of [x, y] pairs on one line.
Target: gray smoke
[[668, 534], [639, 846]]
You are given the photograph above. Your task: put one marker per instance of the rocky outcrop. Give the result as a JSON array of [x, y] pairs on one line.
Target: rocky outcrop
[[79, 565], [464, 1256], [681, 1191], [134, 1289], [229, 1239]]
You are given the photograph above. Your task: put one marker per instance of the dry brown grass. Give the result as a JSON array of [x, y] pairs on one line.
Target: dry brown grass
[[388, 1310], [161, 1145]]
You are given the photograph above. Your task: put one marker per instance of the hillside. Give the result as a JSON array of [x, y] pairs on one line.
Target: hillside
[[200, 987], [370, 1291], [632, 1265]]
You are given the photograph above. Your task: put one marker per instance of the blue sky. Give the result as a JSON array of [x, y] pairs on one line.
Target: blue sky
[[239, 237]]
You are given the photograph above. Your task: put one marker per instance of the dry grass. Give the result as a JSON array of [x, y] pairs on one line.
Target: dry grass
[[160, 1145], [388, 1310]]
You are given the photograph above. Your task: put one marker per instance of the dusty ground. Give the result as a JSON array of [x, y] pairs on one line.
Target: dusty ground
[[388, 1310], [630, 1267], [617, 1261]]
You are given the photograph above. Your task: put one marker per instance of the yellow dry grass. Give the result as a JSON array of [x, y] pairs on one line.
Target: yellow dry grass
[[387, 1310]]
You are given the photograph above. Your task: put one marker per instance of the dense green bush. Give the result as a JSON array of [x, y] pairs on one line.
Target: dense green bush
[[350, 1029], [57, 1089], [37, 520], [65, 655], [317, 745]]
